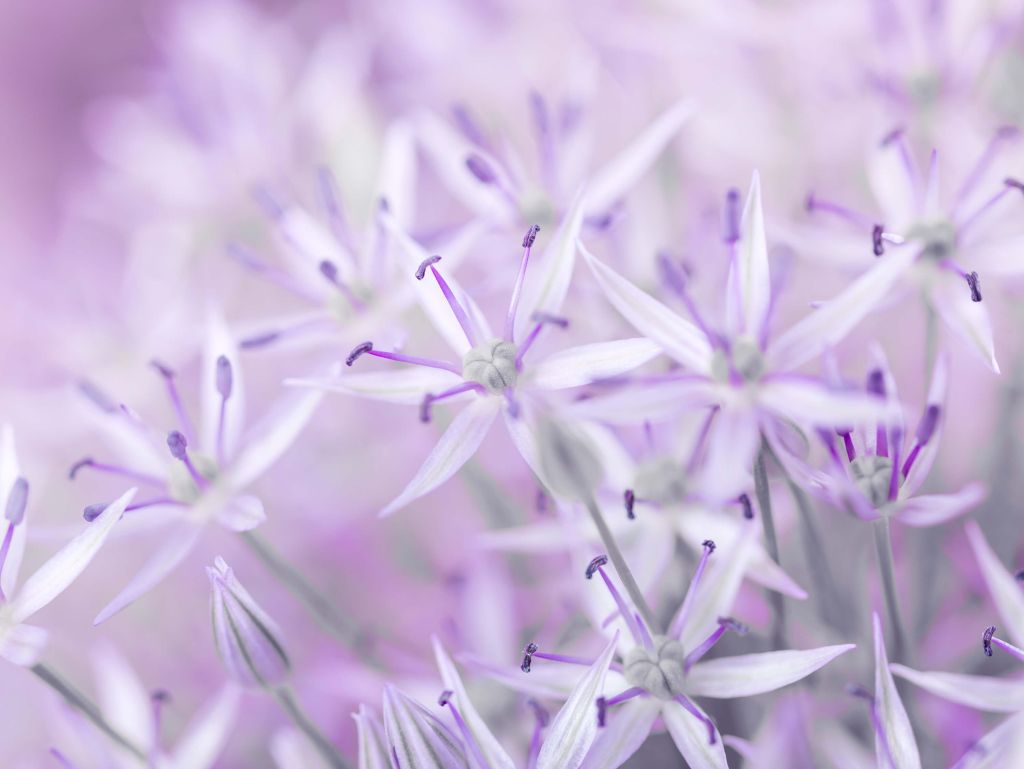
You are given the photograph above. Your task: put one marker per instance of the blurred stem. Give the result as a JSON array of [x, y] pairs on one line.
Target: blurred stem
[[621, 567], [84, 705], [764, 503], [324, 746], [322, 610], [931, 342], [887, 570]]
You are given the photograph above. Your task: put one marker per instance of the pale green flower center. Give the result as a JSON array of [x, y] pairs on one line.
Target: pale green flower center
[[746, 359], [182, 485], [491, 365], [661, 671], [661, 481], [872, 475], [939, 238]]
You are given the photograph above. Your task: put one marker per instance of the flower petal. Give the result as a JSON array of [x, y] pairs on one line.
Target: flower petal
[[123, 700], [459, 442], [810, 402], [1000, 748], [417, 738], [57, 574], [8, 475], [691, 738], [926, 458], [574, 727], [591, 362], [22, 644], [750, 674], [969, 320], [731, 445], [677, 336], [628, 727], [400, 385], [895, 181], [242, 513], [933, 509], [373, 748], [1005, 590], [291, 749], [897, 731], [208, 733], [749, 279], [992, 695], [641, 403]]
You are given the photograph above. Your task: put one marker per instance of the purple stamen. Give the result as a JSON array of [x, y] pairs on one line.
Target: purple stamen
[[725, 624], [445, 700], [357, 351], [261, 340], [673, 274], [179, 450], [541, 319], [99, 398], [1019, 576], [680, 619], [481, 169], [604, 703], [702, 437], [467, 125], [62, 759], [876, 386], [876, 240], [114, 470], [275, 275], [692, 710], [17, 500], [330, 271], [225, 381], [972, 283], [596, 565], [271, 206], [731, 217], [984, 161], [421, 271], [748, 508], [851, 451], [513, 308], [429, 399], [856, 218], [541, 718], [986, 640], [629, 499], [925, 430], [158, 700], [1014, 183], [459, 312], [528, 652], [989, 640], [366, 348], [894, 478], [327, 189], [172, 390]]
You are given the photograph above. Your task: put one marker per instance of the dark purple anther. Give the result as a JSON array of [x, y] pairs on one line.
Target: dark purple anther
[[425, 408], [16, 502], [602, 711], [596, 564], [165, 371], [92, 512], [87, 462], [528, 652], [358, 350], [731, 217], [421, 271], [892, 136], [481, 169], [748, 508], [102, 401], [160, 696], [629, 498], [876, 240], [178, 445], [734, 625], [531, 235], [329, 270], [709, 545], [876, 382], [672, 273], [926, 428], [1019, 576], [467, 125], [1015, 183], [225, 377], [260, 340], [383, 206], [856, 690], [548, 318], [445, 697], [986, 640], [972, 282]]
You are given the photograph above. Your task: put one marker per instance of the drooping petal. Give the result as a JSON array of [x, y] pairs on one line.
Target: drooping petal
[[678, 337], [898, 734], [574, 727], [639, 403], [611, 182], [933, 509], [459, 442], [750, 674], [691, 738], [57, 574], [809, 402], [496, 756], [627, 728], [1005, 590], [396, 385], [829, 323], [993, 695], [373, 747], [749, 279], [591, 362], [22, 644], [218, 341], [731, 446], [967, 319], [208, 732], [242, 513], [417, 738]]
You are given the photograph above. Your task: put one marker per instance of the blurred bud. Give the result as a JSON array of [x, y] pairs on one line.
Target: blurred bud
[[246, 637], [569, 462]]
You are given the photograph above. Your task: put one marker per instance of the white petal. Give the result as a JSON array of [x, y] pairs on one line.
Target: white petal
[[1005, 590], [291, 749], [401, 385], [750, 674], [894, 181], [732, 444], [418, 739], [496, 756], [178, 544], [218, 341], [208, 733], [373, 748], [993, 695], [749, 279], [396, 173], [691, 738], [969, 320], [933, 509], [828, 324], [22, 644], [459, 442], [810, 402], [242, 513], [622, 172], [677, 336], [314, 243], [998, 257], [1000, 748], [9, 471], [124, 701], [641, 403], [57, 574], [591, 362], [926, 457], [627, 727], [896, 725], [575, 726]]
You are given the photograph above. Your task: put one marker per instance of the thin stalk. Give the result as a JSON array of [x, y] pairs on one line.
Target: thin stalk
[[84, 705], [931, 341], [322, 610], [324, 746], [621, 567], [764, 503], [887, 571]]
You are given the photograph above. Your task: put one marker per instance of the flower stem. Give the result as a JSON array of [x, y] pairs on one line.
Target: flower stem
[[83, 704], [764, 503], [290, 705], [322, 610], [887, 571], [621, 567]]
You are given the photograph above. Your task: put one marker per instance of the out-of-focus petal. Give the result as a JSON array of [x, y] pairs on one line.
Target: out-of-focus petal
[[749, 279], [627, 728], [968, 319], [400, 385], [898, 733], [291, 749], [22, 644], [732, 444], [218, 342], [933, 509], [591, 362], [691, 738], [639, 403], [895, 182], [1005, 590], [123, 699], [809, 402], [208, 733], [750, 674], [1001, 747], [926, 457], [242, 513], [8, 475], [373, 746], [993, 695]]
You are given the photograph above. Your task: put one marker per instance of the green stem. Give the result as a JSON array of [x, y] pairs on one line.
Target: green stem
[[324, 746], [322, 610], [621, 567], [883, 548], [764, 503], [83, 704], [931, 342]]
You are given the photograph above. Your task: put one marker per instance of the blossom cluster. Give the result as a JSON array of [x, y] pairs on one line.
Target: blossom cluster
[[555, 385]]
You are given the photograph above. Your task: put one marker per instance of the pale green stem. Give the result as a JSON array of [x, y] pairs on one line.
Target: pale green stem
[[887, 571], [324, 746], [84, 705], [764, 503], [931, 342]]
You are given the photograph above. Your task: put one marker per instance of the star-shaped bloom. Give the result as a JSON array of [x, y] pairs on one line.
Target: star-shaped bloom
[[749, 378], [495, 373], [198, 474]]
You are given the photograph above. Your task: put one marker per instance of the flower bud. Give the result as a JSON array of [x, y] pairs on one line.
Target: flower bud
[[246, 637]]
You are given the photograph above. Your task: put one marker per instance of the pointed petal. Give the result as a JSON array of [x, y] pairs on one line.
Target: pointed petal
[[396, 173], [591, 362], [641, 403], [459, 442], [496, 756], [691, 738], [400, 385], [614, 180], [933, 509], [750, 674], [731, 445], [219, 341], [373, 746], [969, 320], [123, 700], [574, 727], [749, 279], [992, 695], [895, 182], [811, 403], [418, 739], [828, 324], [893, 716], [208, 733], [57, 574], [242, 513], [1000, 748], [175, 548], [678, 337], [1006, 591], [628, 727], [22, 644]]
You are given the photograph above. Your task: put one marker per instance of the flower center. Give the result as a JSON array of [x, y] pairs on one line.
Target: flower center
[[939, 238], [661, 671], [661, 481], [872, 474], [491, 365], [182, 486], [744, 358]]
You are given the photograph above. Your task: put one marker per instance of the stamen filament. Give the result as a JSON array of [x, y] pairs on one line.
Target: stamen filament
[[814, 204], [513, 308], [172, 391], [459, 312], [330, 271], [366, 348], [989, 640], [178, 446], [702, 438], [679, 622], [541, 319], [725, 624], [429, 399], [327, 188], [685, 701], [624, 611], [445, 700], [275, 275], [603, 704], [540, 721], [104, 467], [894, 477]]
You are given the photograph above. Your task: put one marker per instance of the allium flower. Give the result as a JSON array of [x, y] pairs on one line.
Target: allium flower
[[744, 374], [493, 371], [199, 474]]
